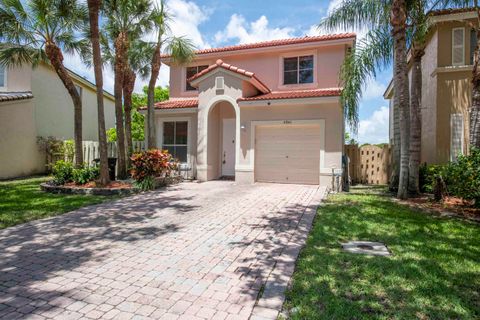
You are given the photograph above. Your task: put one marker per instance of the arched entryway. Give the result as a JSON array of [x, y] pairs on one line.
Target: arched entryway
[[221, 140]]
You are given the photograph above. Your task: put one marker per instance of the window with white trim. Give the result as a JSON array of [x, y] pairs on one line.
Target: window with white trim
[[190, 72], [298, 70], [458, 46], [456, 135], [3, 77], [473, 44], [175, 139]]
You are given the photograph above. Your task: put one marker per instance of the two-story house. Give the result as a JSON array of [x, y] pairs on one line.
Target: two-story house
[[267, 112], [34, 103], [446, 85]]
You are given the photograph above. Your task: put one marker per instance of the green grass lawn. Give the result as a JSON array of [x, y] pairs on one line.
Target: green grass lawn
[[434, 272], [22, 201]]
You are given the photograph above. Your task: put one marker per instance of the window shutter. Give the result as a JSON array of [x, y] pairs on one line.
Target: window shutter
[[456, 135], [458, 46]]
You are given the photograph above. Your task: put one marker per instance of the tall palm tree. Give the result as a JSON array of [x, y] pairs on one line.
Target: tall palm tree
[[417, 51], [181, 51], [138, 64], [42, 30], [374, 53], [93, 12], [126, 20]]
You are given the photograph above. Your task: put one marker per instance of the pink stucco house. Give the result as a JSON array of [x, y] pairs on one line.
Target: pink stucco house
[[267, 112]]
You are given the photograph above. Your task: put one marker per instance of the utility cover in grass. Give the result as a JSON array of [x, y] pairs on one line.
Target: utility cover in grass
[[366, 247]]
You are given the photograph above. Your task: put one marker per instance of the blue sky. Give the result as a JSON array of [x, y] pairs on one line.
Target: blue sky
[[213, 23]]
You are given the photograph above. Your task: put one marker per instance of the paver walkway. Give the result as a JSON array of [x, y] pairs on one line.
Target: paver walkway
[[192, 251]]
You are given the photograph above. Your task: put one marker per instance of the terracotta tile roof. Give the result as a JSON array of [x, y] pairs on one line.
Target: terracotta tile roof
[[294, 94], [275, 43], [12, 96], [449, 11], [220, 64], [176, 104]]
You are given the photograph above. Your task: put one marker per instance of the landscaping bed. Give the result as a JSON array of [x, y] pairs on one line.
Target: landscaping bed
[[433, 272]]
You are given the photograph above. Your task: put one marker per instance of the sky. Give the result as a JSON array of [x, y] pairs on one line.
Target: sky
[[214, 23]]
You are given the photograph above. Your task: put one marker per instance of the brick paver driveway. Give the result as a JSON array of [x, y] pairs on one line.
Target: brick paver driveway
[[193, 251]]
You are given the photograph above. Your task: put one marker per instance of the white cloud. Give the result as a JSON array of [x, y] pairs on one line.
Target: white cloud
[[373, 89], [242, 31], [333, 5], [375, 128]]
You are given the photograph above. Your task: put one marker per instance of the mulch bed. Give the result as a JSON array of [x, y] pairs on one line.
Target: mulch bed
[[93, 184], [449, 206]]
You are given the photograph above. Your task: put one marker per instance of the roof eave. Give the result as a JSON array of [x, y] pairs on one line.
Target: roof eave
[[350, 40]]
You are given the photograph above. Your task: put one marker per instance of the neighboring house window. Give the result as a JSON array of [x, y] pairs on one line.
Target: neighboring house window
[[456, 135], [191, 71], [79, 90], [175, 139], [458, 46], [298, 70], [3, 77], [473, 44]]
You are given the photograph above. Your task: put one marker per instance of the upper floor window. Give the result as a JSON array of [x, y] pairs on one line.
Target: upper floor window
[[298, 70], [458, 46], [3, 77], [191, 71]]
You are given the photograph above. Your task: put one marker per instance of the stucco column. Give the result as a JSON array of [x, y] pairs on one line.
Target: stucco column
[[202, 144]]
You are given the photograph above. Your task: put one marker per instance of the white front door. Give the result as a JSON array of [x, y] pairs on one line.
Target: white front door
[[228, 151]]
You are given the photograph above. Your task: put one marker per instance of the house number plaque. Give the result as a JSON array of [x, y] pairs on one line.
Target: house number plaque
[[287, 121]]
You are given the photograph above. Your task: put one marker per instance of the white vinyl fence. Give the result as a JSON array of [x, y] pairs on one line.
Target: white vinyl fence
[[91, 150]]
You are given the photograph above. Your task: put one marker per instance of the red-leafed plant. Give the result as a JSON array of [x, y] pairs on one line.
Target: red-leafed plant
[[151, 163]]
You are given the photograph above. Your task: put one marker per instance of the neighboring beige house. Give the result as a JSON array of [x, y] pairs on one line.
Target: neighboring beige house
[[446, 85], [267, 111], [33, 103]]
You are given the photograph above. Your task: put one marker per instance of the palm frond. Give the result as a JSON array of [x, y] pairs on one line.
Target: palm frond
[[181, 49], [372, 54], [357, 14]]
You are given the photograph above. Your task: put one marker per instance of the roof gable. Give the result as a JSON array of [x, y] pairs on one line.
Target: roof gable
[[243, 74]]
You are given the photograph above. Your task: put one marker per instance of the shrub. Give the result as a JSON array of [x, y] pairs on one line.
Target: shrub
[[462, 177], [85, 174], [148, 183], [428, 175], [151, 163], [62, 172]]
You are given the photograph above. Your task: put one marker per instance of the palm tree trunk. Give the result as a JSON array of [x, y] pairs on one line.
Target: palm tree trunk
[[119, 69], [475, 109], [395, 174], [93, 9], [128, 86], [400, 79], [55, 56], [415, 121], [155, 66]]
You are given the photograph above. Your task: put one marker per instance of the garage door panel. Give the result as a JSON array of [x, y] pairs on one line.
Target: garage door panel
[[287, 153]]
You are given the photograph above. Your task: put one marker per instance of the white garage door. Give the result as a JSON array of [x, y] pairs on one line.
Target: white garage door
[[287, 153]]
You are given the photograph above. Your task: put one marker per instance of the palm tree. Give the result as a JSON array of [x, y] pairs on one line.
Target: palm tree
[[126, 20], [42, 30], [181, 51], [417, 50], [374, 53], [93, 12], [138, 64]]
